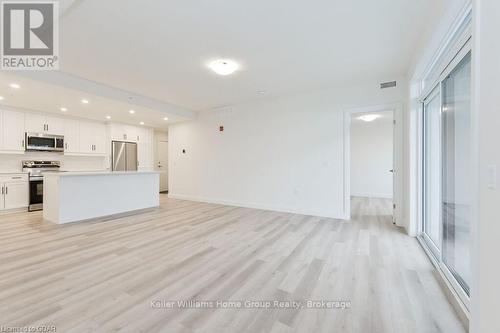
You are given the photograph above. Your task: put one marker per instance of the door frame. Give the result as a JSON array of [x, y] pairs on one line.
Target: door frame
[[398, 178]]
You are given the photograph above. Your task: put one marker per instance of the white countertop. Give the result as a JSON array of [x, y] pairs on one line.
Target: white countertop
[[96, 173], [3, 172]]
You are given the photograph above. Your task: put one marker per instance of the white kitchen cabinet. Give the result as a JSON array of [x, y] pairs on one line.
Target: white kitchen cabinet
[[145, 148], [39, 123], [71, 136], [35, 123], [1, 129], [55, 125], [16, 195], [100, 139], [12, 131], [92, 138], [121, 132], [14, 191]]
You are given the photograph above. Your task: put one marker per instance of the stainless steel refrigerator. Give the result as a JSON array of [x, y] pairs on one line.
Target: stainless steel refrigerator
[[123, 156]]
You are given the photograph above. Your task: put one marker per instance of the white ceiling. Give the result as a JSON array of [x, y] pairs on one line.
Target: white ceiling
[[39, 96], [158, 51], [160, 48]]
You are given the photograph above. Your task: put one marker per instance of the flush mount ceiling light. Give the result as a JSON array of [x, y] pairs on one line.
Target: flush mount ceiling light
[[63, 109], [131, 111], [108, 117], [85, 101], [1, 98], [14, 86], [141, 123], [223, 66], [369, 117], [166, 118]]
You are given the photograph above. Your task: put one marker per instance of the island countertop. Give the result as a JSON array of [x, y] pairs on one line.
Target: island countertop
[[97, 173]]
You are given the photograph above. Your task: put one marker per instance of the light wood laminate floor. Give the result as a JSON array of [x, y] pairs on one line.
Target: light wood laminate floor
[[112, 275]]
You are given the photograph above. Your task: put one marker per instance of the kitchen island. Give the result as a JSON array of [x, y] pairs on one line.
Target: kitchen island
[[79, 196]]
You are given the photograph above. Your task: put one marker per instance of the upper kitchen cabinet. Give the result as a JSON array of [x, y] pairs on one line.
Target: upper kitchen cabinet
[[92, 138], [121, 132], [12, 131], [71, 136], [39, 123]]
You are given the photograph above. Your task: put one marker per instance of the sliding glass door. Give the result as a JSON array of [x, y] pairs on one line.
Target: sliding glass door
[[446, 172], [456, 165]]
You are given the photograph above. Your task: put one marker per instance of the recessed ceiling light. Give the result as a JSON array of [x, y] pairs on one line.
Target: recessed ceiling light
[[142, 123], [166, 118], [369, 117], [131, 111], [223, 66], [108, 117], [1, 98], [15, 86], [85, 101], [63, 109]]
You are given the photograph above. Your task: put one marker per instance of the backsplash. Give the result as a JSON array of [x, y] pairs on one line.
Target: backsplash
[[13, 162]]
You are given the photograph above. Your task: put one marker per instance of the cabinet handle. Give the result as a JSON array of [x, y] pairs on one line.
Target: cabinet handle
[[66, 145], [2, 189], [18, 177], [6, 190], [22, 143]]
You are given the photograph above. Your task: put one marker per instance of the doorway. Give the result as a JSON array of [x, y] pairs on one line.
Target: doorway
[[372, 156], [161, 159]]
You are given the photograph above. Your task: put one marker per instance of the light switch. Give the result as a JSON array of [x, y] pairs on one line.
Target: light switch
[[492, 177]]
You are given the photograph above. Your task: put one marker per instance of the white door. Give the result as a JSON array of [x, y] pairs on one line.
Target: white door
[[16, 195], [162, 164], [13, 131]]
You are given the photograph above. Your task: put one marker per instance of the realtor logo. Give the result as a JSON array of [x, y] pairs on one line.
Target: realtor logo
[[29, 35]]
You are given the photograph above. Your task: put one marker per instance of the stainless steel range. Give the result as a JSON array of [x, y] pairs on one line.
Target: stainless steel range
[[35, 170]]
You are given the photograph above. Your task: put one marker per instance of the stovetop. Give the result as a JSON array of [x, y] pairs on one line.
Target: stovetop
[[37, 168]]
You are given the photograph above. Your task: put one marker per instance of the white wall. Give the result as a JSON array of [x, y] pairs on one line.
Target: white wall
[[285, 154], [485, 291], [372, 157]]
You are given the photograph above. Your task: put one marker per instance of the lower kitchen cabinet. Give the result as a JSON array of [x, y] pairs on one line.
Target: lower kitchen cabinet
[[14, 192]]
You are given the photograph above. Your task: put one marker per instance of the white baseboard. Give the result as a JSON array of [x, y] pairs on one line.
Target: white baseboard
[[339, 216]]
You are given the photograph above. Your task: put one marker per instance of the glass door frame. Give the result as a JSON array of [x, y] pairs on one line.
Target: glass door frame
[[437, 256], [435, 250]]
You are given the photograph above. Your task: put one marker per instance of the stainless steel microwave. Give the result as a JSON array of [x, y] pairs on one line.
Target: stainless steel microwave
[[44, 142]]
